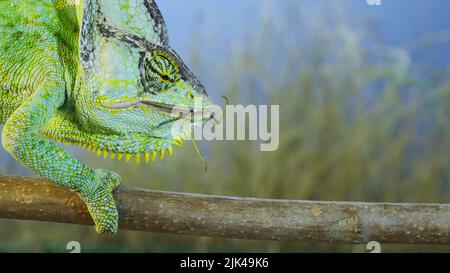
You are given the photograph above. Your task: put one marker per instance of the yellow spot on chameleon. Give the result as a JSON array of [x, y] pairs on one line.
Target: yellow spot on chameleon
[[178, 143], [138, 158], [128, 157]]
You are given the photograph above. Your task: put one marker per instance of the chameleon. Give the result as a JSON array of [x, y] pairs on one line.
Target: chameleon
[[95, 73]]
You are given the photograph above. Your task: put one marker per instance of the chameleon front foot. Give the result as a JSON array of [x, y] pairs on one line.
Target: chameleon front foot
[[110, 179], [100, 202], [104, 213]]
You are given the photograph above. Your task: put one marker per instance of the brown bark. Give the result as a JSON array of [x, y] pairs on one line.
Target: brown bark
[[232, 217]]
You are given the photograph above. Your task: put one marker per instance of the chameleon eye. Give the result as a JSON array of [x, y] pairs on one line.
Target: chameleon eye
[[159, 72], [165, 77]]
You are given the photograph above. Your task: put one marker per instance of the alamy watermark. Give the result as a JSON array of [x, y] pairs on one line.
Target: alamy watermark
[[74, 247], [373, 2], [374, 247], [235, 122]]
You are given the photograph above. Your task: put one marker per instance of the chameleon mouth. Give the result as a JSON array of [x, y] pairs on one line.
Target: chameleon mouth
[[148, 104]]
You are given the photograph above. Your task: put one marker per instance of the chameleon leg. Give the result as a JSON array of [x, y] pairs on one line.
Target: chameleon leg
[[21, 137]]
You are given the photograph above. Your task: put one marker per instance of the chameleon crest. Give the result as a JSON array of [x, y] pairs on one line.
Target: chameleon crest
[[97, 73]]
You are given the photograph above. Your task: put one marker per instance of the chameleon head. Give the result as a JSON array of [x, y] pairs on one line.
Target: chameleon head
[[149, 91], [132, 83]]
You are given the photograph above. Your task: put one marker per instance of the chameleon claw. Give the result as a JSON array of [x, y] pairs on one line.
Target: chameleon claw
[[96, 193]]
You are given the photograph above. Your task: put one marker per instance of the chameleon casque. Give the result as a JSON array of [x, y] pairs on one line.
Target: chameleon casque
[[96, 73]]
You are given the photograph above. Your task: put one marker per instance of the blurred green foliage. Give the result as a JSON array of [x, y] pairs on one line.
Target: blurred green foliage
[[357, 123]]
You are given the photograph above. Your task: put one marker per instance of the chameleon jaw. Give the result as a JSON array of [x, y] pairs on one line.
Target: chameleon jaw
[[148, 104]]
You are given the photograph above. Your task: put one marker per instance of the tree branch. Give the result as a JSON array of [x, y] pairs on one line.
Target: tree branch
[[233, 217]]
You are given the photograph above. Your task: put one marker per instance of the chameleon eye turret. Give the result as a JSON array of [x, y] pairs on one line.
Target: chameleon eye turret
[[158, 72], [97, 73]]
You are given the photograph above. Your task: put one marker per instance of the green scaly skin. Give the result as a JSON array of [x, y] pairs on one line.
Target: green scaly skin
[[97, 73]]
